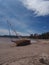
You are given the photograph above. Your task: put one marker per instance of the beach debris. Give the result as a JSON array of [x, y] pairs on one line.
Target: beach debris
[[44, 59]]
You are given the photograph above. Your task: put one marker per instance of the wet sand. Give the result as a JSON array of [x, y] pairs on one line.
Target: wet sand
[[23, 55]]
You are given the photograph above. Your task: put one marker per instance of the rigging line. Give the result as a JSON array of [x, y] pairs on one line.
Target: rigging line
[[9, 31], [9, 28], [12, 27]]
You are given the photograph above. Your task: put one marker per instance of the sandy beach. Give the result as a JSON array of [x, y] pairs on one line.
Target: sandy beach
[[23, 55]]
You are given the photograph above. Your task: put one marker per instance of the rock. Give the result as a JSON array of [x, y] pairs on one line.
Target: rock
[[0, 64], [44, 59]]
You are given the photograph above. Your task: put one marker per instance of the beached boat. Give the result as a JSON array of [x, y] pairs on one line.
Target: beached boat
[[22, 42]]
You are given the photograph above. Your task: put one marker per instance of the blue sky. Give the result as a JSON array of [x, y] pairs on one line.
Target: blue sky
[[26, 16]]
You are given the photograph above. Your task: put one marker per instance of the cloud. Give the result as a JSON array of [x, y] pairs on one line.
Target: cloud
[[6, 32], [20, 27], [40, 7], [20, 17]]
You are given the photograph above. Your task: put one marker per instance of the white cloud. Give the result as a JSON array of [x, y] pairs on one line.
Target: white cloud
[[40, 7], [6, 32]]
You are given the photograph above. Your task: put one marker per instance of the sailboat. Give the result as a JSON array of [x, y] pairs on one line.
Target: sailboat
[[21, 41]]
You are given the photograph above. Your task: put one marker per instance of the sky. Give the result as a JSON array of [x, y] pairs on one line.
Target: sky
[[25, 16]]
